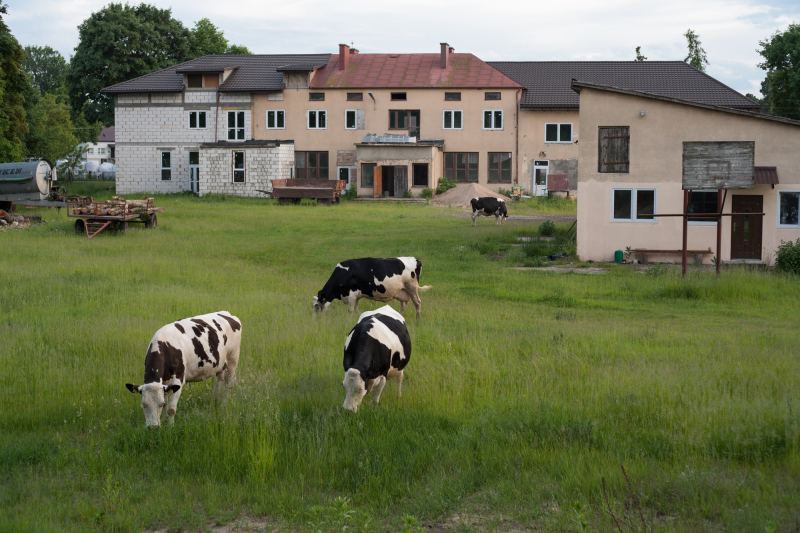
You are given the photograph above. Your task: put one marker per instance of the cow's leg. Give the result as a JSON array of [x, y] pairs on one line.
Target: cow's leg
[[399, 383], [352, 302], [377, 389], [411, 289], [474, 216], [172, 404]]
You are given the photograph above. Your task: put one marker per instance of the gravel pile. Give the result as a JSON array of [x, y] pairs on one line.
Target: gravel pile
[[462, 194]]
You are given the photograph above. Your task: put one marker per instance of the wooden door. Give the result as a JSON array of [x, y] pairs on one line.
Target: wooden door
[[746, 229], [377, 182], [400, 181]]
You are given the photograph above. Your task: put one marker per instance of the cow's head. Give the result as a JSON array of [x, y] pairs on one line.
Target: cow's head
[[320, 303], [153, 400], [354, 388]]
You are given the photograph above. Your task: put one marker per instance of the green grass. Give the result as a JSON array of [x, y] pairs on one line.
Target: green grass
[[525, 389]]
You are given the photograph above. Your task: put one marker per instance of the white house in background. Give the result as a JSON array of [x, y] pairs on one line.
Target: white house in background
[[101, 151]]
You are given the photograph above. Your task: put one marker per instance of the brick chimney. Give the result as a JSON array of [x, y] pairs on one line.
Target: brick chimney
[[445, 62], [353, 51], [344, 56]]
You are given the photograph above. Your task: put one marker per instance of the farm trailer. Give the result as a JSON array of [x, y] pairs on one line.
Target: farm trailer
[[293, 190], [93, 217]]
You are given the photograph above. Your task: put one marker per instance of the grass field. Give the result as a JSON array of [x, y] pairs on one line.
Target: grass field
[[526, 393]]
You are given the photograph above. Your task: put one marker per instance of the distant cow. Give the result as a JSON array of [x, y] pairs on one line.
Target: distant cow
[[489, 206], [377, 349], [192, 349], [382, 280]]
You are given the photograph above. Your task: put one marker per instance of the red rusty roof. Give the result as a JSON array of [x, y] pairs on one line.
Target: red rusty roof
[[410, 71], [766, 175]]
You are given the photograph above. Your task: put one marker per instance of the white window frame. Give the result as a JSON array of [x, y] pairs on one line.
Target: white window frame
[[101, 150], [703, 222], [494, 126], [778, 220], [234, 170], [275, 112], [634, 198], [236, 126], [90, 151], [558, 132], [316, 118], [452, 119], [197, 120], [355, 119], [163, 168]]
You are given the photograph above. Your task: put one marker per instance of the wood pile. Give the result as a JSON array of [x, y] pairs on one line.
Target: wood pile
[[12, 219]]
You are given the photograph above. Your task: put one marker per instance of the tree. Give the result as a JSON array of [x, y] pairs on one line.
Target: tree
[[781, 54], [118, 43], [207, 39], [764, 100], [13, 84], [47, 68], [50, 132], [696, 56], [639, 56], [235, 49]]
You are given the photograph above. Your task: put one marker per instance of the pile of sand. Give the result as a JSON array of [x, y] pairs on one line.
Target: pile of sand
[[464, 193]]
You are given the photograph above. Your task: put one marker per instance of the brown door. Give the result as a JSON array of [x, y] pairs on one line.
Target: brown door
[[746, 229], [400, 181], [377, 182]]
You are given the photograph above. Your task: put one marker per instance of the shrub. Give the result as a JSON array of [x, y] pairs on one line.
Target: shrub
[[427, 193], [788, 257], [445, 185], [407, 194], [547, 228], [350, 194], [504, 192]]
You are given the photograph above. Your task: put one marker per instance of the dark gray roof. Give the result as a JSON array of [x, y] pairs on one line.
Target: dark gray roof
[[548, 83], [255, 73]]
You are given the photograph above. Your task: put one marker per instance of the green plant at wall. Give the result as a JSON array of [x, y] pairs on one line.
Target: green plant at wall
[[445, 185], [547, 228], [350, 194], [788, 257], [406, 194], [427, 193]]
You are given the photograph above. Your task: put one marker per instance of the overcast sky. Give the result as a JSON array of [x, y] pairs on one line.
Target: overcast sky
[[494, 30]]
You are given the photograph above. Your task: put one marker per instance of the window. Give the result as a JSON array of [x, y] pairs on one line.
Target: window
[[194, 81], [235, 125], [558, 133], [492, 96], [703, 201], [355, 97], [403, 119], [90, 151], [238, 167], [613, 149], [276, 119], [367, 174], [628, 205], [461, 166], [420, 177], [451, 120], [499, 167], [788, 207], [317, 119], [493, 120], [311, 165], [316, 97], [350, 119], [101, 150], [197, 120], [452, 96], [398, 96], [166, 166]]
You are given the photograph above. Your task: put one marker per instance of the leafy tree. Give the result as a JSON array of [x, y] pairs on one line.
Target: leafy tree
[[207, 39], [71, 163], [81, 128], [696, 56], [13, 85], [46, 66], [50, 132], [237, 49], [781, 54], [764, 101], [639, 56], [118, 43]]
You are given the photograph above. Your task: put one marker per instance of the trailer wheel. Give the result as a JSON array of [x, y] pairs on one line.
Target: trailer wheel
[[80, 227], [151, 222], [122, 226]]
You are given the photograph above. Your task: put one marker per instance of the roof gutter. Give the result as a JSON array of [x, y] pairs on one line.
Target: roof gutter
[[516, 156], [216, 118]]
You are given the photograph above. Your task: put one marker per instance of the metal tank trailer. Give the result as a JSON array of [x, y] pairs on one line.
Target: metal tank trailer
[[28, 183]]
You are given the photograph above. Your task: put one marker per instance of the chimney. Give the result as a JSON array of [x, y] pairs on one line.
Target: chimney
[[353, 51], [452, 50], [445, 62], [344, 56]]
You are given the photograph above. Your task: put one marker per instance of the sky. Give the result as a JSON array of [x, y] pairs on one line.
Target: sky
[[494, 30]]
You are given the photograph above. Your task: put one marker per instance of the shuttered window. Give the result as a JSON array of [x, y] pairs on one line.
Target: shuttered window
[[614, 150]]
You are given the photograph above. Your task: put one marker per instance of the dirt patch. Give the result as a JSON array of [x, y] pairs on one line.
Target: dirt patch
[[461, 195], [564, 269]]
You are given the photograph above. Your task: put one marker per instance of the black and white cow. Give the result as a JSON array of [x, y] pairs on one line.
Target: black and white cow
[[377, 349], [192, 349], [489, 206], [382, 280]]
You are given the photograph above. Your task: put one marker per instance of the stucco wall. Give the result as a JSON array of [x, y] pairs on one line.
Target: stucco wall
[[532, 146], [656, 151]]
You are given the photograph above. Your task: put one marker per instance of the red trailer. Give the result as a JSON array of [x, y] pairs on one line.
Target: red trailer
[[292, 191], [93, 217]]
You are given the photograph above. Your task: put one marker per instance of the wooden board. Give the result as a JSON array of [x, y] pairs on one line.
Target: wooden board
[[303, 192], [719, 165]]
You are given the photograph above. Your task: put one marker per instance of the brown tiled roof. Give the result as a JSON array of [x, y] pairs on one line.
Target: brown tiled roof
[[766, 175], [255, 73], [410, 71], [547, 83], [107, 135]]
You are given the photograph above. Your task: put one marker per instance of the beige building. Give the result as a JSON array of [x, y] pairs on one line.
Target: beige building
[[651, 130]]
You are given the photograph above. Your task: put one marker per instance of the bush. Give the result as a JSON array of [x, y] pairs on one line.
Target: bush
[[504, 192], [547, 228], [427, 193], [788, 257], [350, 194], [445, 185], [407, 194]]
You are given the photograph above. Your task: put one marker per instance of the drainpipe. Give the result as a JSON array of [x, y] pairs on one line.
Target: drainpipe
[[516, 156], [216, 119]]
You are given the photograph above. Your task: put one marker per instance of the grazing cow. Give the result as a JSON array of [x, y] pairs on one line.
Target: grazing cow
[[489, 206], [377, 349], [192, 349], [382, 280]]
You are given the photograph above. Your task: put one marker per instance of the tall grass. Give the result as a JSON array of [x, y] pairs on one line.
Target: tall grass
[[525, 389]]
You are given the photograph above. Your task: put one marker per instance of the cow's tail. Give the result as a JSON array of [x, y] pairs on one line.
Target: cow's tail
[[418, 271], [425, 288]]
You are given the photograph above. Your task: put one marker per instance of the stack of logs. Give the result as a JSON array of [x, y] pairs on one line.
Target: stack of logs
[[117, 206], [136, 207], [12, 219]]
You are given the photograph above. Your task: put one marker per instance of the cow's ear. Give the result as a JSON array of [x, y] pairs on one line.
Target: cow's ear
[[133, 388], [172, 388]]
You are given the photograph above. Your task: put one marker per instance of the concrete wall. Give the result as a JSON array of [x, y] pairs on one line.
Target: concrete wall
[[262, 165], [656, 151], [532, 145]]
